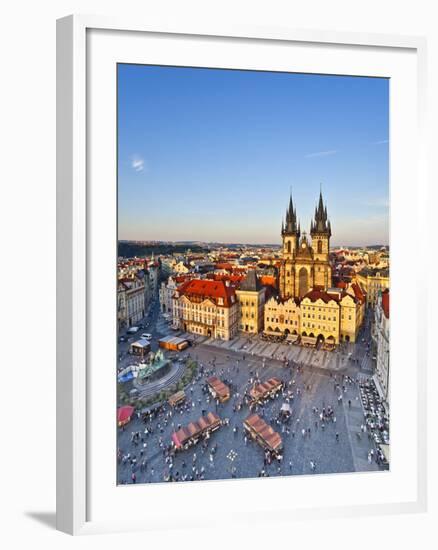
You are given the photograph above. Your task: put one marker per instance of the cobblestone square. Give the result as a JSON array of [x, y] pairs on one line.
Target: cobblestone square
[[313, 380]]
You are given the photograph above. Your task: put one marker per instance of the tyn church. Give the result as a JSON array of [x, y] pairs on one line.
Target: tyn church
[[305, 265]]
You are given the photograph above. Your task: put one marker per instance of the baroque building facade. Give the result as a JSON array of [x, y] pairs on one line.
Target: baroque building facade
[[207, 308], [331, 316], [130, 301]]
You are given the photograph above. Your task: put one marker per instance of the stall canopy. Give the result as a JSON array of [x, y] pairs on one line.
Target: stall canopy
[[141, 344], [272, 333], [124, 414], [385, 451]]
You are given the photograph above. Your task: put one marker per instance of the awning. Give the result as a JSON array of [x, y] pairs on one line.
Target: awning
[[141, 344], [379, 388], [386, 451], [124, 414], [176, 440]]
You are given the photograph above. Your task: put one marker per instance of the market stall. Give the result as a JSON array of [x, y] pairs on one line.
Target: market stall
[[124, 415]]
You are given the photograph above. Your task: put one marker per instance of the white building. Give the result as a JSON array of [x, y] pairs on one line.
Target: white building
[[154, 275], [206, 307], [130, 302], [166, 292], [381, 327]]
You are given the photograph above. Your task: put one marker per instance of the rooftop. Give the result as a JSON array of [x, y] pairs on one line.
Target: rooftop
[[251, 282], [206, 288]]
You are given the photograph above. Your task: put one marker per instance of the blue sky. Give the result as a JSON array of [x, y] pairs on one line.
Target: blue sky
[[207, 154]]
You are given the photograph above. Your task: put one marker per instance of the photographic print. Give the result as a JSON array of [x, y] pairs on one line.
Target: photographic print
[[252, 274]]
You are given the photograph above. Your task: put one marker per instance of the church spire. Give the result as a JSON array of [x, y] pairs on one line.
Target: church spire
[[320, 224], [290, 226]]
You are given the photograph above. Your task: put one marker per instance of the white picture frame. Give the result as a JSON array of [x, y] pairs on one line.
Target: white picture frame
[[77, 215]]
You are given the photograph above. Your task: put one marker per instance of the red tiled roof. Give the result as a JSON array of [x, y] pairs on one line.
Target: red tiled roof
[[224, 266], [385, 303], [268, 280], [314, 295], [206, 288], [318, 287], [234, 279], [358, 292], [182, 278]]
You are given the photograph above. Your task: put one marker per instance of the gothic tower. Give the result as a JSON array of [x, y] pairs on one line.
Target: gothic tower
[[290, 234], [320, 231]]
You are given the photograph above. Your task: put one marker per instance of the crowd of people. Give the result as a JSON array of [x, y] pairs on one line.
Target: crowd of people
[[148, 455]]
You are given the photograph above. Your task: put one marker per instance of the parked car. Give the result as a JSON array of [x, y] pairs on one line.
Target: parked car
[[146, 335]]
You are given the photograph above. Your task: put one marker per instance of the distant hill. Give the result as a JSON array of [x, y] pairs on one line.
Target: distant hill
[[362, 247], [377, 246], [128, 249]]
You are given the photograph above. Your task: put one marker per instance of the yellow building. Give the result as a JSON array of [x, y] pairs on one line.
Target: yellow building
[[282, 316], [251, 298], [320, 315], [373, 281], [181, 268], [330, 316], [305, 265]]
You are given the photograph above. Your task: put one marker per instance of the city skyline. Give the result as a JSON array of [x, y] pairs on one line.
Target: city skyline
[[236, 143]]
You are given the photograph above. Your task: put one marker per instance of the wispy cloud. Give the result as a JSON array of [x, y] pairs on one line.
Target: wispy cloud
[[381, 142], [137, 163], [378, 202], [321, 154]]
